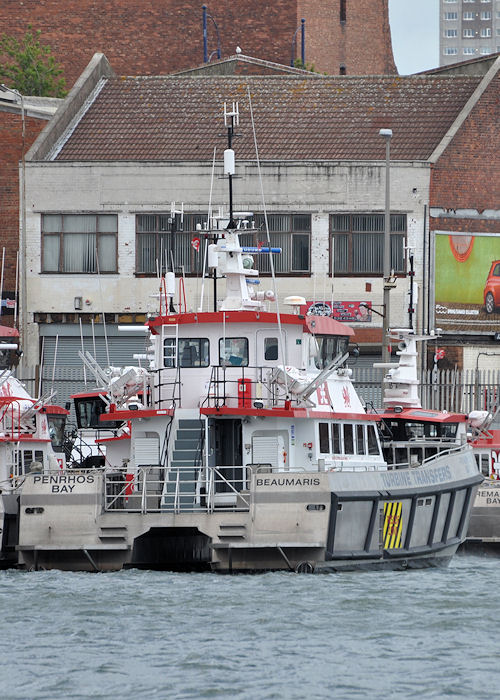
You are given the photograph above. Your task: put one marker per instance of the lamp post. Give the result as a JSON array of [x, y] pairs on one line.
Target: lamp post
[[22, 228], [206, 15], [302, 44], [388, 279]]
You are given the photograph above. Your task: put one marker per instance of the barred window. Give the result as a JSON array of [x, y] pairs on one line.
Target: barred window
[[291, 233], [358, 243], [159, 239], [155, 241], [81, 243]]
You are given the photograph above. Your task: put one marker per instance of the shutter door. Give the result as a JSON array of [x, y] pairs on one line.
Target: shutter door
[[267, 450], [68, 376]]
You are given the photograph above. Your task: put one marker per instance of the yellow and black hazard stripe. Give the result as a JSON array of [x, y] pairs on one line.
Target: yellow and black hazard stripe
[[393, 524]]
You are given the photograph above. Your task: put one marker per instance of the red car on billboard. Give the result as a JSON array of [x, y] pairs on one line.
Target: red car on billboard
[[492, 288]]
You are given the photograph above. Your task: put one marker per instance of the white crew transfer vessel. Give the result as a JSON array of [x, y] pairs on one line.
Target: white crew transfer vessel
[[31, 442], [246, 449]]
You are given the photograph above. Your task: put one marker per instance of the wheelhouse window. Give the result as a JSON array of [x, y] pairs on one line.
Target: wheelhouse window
[[291, 233], [191, 352], [358, 243], [159, 238], [88, 411], [328, 349], [233, 352], [79, 243]]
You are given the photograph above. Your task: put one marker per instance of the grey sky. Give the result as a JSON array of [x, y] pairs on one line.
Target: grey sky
[[415, 34]]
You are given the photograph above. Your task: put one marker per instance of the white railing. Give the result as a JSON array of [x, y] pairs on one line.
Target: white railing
[[182, 490], [455, 391]]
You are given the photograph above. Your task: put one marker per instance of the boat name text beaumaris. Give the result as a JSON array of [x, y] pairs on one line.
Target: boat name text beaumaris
[[289, 481], [406, 477], [63, 483]]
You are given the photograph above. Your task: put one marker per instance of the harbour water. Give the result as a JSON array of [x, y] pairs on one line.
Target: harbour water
[[141, 634]]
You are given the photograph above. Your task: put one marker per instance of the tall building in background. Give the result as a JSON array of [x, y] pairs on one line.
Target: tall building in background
[[468, 29]]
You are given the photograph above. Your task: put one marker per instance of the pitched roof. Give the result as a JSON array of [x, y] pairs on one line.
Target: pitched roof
[[296, 118], [239, 64]]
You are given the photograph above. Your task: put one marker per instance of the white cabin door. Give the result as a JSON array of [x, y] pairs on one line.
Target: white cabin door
[[269, 347]]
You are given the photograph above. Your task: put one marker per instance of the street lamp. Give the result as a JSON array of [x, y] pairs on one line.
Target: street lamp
[[302, 44], [22, 228], [389, 281], [206, 58]]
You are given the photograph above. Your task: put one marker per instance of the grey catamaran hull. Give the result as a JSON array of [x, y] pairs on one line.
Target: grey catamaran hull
[[298, 521]]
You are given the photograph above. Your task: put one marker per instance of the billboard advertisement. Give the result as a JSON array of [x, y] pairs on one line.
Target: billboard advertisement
[[467, 281], [346, 311]]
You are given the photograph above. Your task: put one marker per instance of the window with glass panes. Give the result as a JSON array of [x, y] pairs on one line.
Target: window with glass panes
[[79, 243], [358, 243], [158, 239], [291, 233]]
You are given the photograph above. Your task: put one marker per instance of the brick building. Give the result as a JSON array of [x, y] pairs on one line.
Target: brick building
[[19, 127], [464, 223], [156, 37]]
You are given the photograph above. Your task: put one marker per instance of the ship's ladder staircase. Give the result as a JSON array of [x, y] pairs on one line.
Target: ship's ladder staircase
[[183, 488]]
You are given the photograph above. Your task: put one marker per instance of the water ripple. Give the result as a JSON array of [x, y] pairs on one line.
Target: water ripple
[[138, 634]]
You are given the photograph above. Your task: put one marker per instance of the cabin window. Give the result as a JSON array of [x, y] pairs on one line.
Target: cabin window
[[191, 352], [270, 348], [483, 464], [79, 243], [291, 233], [161, 238], [233, 352], [348, 439], [414, 431], [328, 349], [57, 425], [28, 457], [324, 441], [449, 430], [360, 440], [372, 441], [336, 439], [88, 411], [357, 243]]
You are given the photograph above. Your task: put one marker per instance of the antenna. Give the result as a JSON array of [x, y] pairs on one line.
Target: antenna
[[231, 118], [102, 307], [173, 228], [209, 218], [271, 262]]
